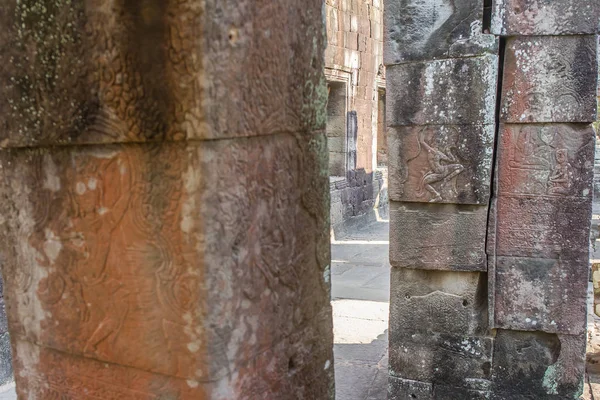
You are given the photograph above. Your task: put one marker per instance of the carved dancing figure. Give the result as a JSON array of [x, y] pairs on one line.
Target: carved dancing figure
[[560, 179], [443, 167]]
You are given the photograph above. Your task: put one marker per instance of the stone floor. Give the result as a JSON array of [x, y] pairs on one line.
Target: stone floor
[[360, 299]]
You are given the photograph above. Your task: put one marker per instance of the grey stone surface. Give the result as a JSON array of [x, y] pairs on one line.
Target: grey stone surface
[[438, 236], [550, 79], [454, 91], [6, 369], [533, 365], [540, 295], [424, 30], [441, 163], [438, 301], [439, 357], [446, 392], [545, 17], [405, 389]]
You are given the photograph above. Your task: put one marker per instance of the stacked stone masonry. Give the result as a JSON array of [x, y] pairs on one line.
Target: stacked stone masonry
[[165, 198], [489, 246], [356, 111]]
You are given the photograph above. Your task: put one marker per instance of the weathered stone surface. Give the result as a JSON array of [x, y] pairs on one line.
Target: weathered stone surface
[[540, 295], [544, 17], [112, 251], [445, 392], [160, 70], [450, 302], [428, 30], [441, 163], [6, 368], [405, 389], [455, 91], [439, 357], [545, 175], [550, 79], [529, 365], [438, 236]]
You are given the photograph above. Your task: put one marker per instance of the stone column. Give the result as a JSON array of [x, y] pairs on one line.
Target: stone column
[[441, 101], [539, 228], [165, 198]]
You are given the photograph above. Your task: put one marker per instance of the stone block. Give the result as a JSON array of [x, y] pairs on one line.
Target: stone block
[[441, 163], [161, 72], [425, 30], [445, 392], [440, 358], [438, 236], [537, 365], [545, 17], [550, 79], [545, 176], [405, 389], [555, 160], [424, 301], [110, 251], [540, 295], [451, 92]]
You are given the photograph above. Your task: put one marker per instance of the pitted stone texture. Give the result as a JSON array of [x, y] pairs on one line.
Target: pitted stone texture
[[160, 70], [545, 17], [441, 163], [536, 365], [440, 358], [550, 79], [545, 175], [540, 295], [553, 160], [110, 251], [425, 30], [438, 301], [445, 392], [455, 91], [405, 389], [438, 236]]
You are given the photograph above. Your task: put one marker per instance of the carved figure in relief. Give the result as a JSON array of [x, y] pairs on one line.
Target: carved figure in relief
[[101, 197], [443, 168], [528, 152], [561, 178]]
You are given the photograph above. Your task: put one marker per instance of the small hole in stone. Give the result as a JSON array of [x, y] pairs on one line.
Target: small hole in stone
[[412, 396], [407, 297], [233, 36], [465, 303], [291, 365]]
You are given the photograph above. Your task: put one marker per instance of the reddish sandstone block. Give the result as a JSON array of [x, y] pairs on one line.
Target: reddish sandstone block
[[545, 17], [438, 236], [161, 69], [146, 257], [550, 79], [441, 164], [543, 206]]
